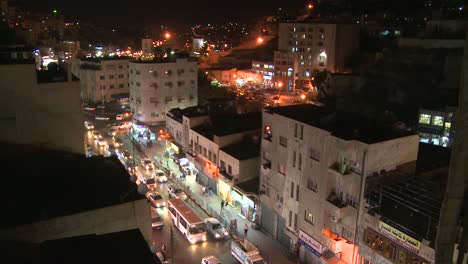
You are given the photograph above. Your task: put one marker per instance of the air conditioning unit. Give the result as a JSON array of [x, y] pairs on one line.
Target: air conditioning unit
[[334, 219]]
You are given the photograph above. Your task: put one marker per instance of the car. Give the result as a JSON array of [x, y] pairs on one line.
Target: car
[[147, 164], [96, 135], [89, 152], [125, 125], [112, 132], [101, 106], [276, 97], [102, 118], [88, 125], [156, 220], [210, 260], [89, 108], [113, 126], [131, 166], [125, 155], [110, 148], [117, 142], [214, 227], [155, 199], [119, 117], [176, 192], [160, 176], [101, 141]]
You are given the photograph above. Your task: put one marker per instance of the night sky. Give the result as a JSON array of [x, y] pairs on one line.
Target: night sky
[[176, 13]]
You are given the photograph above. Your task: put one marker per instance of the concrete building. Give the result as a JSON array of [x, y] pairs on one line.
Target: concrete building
[[180, 121], [266, 69], [102, 79], [161, 84], [236, 77], [314, 163], [40, 107], [305, 47]]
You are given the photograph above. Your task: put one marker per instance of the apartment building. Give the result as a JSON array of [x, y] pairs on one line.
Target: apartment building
[[266, 69], [102, 79], [305, 47], [436, 126], [314, 163], [161, 84]]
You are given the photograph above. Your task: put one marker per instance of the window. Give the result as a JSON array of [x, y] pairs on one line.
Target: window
[[110, 67], [437, 121], [311, 184], [295, 221], [209, 154], [102, 77], [121, 76], [301, 132], [295, 130], [290, 218], [297, 192], [283, 141], [204, 152], [111, 86], [424, 119], [309, 217], [121, 85], [137, 72], [120, 66], [294, 159], [447, 129], [351, 200], [346, 233], [229, 169], [282, 169], [292, 190], [299, 162], [214, 158], [138, 84], [314, 154], [168, 98], [192, 81], [183, 222], [111, 77]]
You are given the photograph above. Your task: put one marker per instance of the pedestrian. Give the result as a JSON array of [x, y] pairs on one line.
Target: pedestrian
[[226, 202], [209, 191], [246, 229], [204, 190], [196, 177], [222, 205]]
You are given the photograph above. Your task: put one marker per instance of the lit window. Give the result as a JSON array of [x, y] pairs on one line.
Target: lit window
[[424, 119], [309, 217], [437, 121]]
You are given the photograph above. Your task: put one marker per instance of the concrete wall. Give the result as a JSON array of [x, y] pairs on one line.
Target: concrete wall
[[249, 169], [111, 219], [175, 128]]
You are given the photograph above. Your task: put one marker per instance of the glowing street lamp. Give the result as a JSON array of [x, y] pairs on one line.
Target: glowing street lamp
[[310, 6], [167, 35], [260, 40]]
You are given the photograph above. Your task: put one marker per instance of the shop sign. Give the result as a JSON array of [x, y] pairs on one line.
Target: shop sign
[[236, 196], [311, 244], [399, 237], [175, 148]]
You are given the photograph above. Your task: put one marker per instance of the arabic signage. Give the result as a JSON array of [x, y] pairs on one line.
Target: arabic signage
[[311, 244], [399, 237]]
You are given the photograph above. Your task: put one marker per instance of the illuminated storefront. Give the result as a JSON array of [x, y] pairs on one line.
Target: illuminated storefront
[[224, 191], [310, 250]]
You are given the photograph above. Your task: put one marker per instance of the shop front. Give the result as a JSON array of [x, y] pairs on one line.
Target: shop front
[[245, 202], [224, 191], [310, 250]]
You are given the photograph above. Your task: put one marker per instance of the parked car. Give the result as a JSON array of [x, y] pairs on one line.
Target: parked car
[[101, 141], [110, 148], [119, 117], [176, 192], [156, 219], [125, 125], [160, 176], [156, 199], [88, 125], [102, 118], [214, 227], [112, 132], [117, 142], [125, 155], [96, 135], [131, 166], [147, 164]]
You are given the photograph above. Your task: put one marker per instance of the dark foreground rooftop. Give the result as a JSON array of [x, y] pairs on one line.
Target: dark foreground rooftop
[[121, 247], [242, 151], [41, 184], [347, 126], [228, 124]]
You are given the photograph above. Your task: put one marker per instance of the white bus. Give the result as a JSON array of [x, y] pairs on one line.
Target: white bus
[[187, 221]]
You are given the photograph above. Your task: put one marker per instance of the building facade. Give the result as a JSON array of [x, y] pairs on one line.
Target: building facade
[[102, 79], [437, 127], [266, 69], [158, 85], [311, 179], [305, 47]]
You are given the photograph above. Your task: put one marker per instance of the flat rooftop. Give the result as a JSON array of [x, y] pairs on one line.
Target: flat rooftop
[[242, 151], [347, 126], [193, 111], [228, 124], [43, 184], [106, 58]]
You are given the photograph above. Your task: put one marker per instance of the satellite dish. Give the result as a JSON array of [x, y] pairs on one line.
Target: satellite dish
[[142, 189], [133, 178]]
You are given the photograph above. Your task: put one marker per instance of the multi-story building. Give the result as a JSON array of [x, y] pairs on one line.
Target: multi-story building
[[161, 84], [305, 47], [102, 79], [40, 107], [266, 69], [437, 127], [314, 163], [180, 121]]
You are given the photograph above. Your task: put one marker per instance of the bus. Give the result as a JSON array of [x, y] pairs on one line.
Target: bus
[[187, 221]]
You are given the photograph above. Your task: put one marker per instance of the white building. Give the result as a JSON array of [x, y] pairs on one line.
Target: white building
[[102, 79], [158, 85], [304, 47], [312, 174]]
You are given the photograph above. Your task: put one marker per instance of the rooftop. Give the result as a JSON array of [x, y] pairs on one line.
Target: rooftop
[[44, 184], [170, 59], [193, 111], [121, 247], [431, 157], [227, 124], [250, 186], [347, 126], [242, 151], [106, 58]]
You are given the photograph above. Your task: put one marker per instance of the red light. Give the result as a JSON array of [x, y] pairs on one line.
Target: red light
[[267, 128]]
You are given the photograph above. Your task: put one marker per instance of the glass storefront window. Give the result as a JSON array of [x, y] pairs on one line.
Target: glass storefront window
[[437, 121], [424, 119]]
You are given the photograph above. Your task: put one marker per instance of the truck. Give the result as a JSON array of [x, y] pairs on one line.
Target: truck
[[245, 252]]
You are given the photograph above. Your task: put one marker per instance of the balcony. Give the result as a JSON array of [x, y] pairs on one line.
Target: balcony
[[336, 207], [342, 169], [226, 175]]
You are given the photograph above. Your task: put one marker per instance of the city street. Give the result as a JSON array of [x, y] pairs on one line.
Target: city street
[[205, 206]]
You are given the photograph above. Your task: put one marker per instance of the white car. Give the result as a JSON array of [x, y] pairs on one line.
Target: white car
[[176, 192], [101, 142], [156, 220], [89, 125], [160, 176], [214, 227], [102, 118], [156, 199], [210, 260]]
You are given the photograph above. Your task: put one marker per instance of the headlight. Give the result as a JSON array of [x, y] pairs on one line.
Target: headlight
[[204, 238], [217, 235], [226, 233], [164, 203], [157, 205]]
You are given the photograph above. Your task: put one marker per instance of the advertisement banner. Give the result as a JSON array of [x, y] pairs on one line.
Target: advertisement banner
[[311, 244], [399, 237]]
